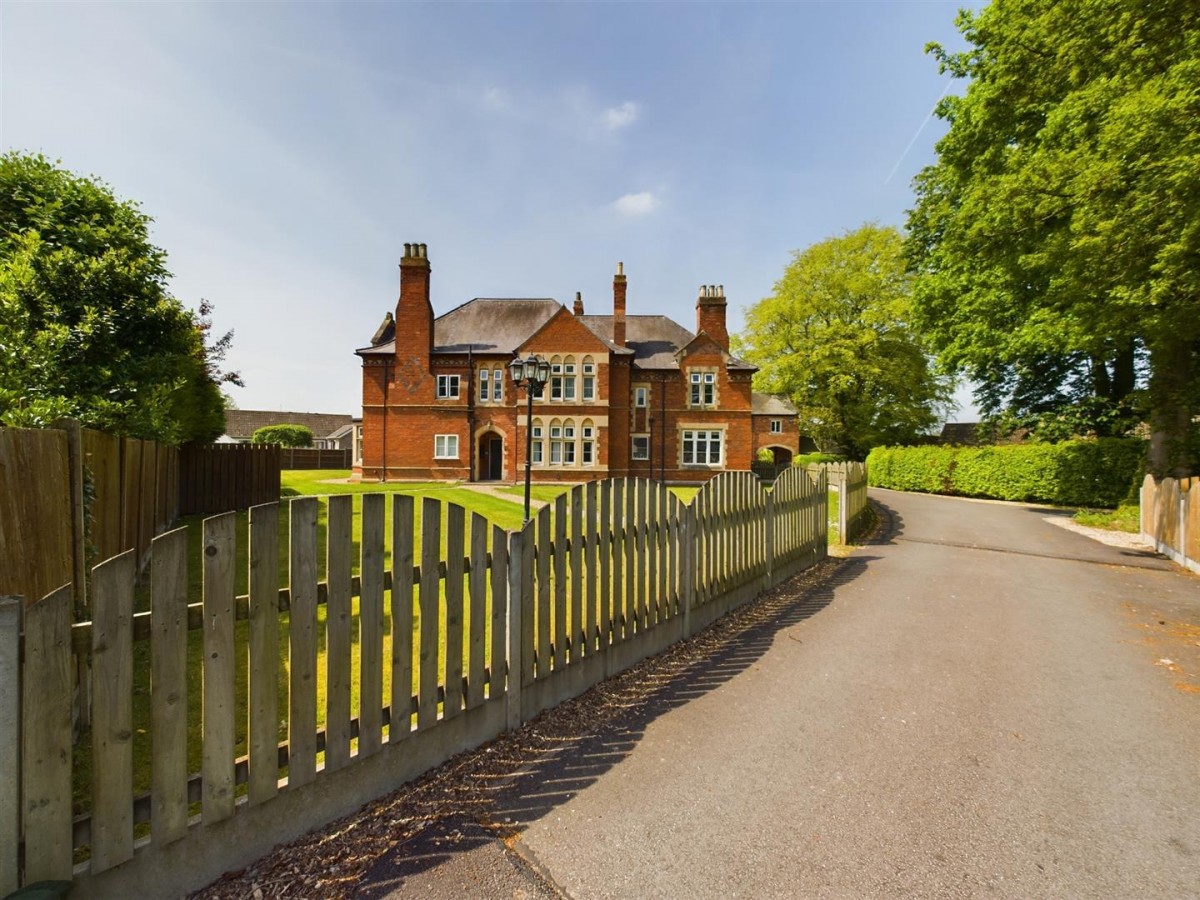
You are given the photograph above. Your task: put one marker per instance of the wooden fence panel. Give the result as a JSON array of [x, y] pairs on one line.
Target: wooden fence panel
[[431, 551], [629, 545], [217, 478], [400, 710], [640, 523], [617, 548], [220, 553], [112, 711], [500, 602], [302, 641], [315, 458], [370, 626], [590, 552], [46, 738], [542, 650], [36, 541], [604, 560], [558, 552], [456, 525], [262, 673], [578, 633], [169, 688], [338, 561], [477, 604], [651, 526]]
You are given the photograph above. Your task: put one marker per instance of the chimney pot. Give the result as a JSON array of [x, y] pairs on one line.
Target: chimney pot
[[407, 250], [620, 268]]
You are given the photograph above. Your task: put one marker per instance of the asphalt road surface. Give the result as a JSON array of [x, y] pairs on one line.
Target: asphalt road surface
[[979, 704]]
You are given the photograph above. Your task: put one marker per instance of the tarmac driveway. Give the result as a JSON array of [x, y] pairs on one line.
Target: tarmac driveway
[[983, 704]]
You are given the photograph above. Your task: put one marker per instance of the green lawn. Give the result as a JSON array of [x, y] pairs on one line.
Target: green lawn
[[1126, 517]]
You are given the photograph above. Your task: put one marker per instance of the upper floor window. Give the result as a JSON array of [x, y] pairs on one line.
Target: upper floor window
[[535, 445], [641, 396], [485, 385], [589, 379], [556, 379], [704, 389], [447, 387], [497, 385], [587, 445], [777, 426]]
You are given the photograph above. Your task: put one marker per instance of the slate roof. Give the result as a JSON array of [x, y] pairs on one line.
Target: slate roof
[[485, 324], [771, 405], [654, 340], [242, 423], [500, 326]]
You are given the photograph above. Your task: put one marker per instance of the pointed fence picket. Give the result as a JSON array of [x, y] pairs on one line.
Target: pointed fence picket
[[480, 629]]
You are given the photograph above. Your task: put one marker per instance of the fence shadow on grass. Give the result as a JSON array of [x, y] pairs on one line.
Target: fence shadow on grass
[[570, 748]]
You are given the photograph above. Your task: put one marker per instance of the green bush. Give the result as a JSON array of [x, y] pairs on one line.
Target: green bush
[[812, 459], [1072, 473], [283, 435]]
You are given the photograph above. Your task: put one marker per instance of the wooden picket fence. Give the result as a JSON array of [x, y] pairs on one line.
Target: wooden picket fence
[[475, 630], [1170, 518]]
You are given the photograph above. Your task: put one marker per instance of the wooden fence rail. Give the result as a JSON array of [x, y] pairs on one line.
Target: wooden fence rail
[[471, 630], [1170, 518]]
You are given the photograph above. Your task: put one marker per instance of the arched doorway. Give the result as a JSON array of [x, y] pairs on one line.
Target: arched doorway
[[491, 456], [782, 457]]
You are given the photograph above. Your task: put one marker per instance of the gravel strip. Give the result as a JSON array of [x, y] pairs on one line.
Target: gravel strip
[[1103, 535]]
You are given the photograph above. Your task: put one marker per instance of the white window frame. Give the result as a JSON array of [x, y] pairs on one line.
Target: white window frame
[[703, 389], [556, 381], [589, 382], [701, 442], [445, 446], [485, 385], [587, 452], [497, 385], [641, 397], [777, 426], [445, 384], [536, 446], [633, 447], [569, 383]]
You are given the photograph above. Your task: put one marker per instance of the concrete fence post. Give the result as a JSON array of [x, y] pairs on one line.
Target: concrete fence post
[[10, 741]]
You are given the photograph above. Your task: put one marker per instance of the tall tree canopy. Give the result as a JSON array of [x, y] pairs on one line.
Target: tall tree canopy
[[834, 337], [87, 326], [1060, 227]]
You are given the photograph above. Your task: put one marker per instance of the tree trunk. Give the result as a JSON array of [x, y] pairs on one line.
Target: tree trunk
[[1171, 373]]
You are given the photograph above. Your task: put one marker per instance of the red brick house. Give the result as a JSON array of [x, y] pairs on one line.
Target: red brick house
[[628, 395]]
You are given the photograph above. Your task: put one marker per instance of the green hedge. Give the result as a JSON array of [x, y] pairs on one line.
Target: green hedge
[[1073, 473], [284, 435]]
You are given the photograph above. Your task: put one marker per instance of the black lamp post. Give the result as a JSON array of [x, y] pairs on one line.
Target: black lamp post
[[531, 373]]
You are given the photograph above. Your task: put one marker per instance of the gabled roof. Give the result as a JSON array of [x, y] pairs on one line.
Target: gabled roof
[[242, 423], [771, 405]]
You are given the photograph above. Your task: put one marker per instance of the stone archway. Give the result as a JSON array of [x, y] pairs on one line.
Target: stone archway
[[781, 456]]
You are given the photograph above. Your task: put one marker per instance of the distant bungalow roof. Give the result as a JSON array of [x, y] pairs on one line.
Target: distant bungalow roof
[[771, 405]]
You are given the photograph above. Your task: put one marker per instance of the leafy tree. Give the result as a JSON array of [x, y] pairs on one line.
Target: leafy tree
[[834, 337], [283, 435], [87, 326], [1061, 222]]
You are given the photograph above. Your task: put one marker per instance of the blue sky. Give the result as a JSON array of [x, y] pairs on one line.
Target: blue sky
[[288, 151]]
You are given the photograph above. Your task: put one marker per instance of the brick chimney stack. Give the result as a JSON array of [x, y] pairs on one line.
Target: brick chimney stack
[[710, 314], [578, 303], [414, 312], [619, 288]]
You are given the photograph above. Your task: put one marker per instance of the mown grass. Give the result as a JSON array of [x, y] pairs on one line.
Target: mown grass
[[1126, 517]]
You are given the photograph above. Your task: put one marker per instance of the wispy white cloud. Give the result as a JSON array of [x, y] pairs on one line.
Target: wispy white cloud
[[617, 117], [640, 204]]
